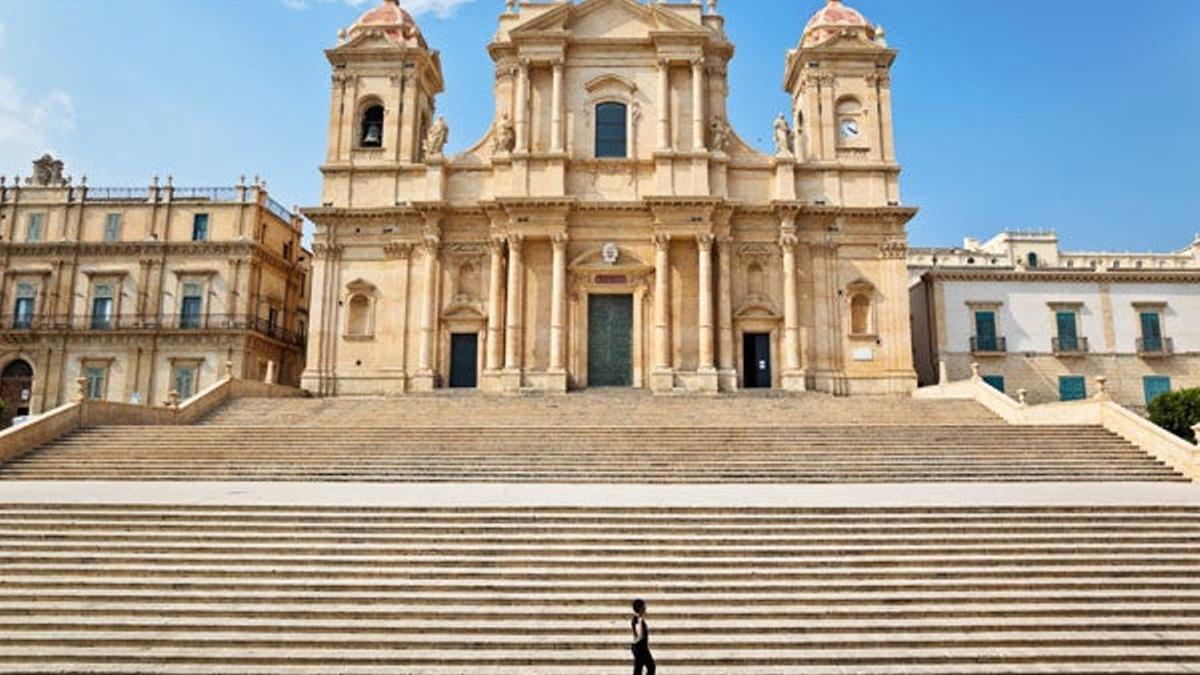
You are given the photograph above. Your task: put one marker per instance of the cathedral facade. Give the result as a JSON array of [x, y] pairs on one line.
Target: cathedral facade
[[611, 229]]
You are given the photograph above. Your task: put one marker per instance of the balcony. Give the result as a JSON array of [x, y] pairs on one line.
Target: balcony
[[985, 346], [1074, 346], [17, 325], [1155, 348]]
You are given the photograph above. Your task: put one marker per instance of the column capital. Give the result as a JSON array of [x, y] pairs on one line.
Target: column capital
[[560, 240], [788, 241], [516, 242], [704, 241], [662, 241], [698, 62], [431, 243], [496, 244]]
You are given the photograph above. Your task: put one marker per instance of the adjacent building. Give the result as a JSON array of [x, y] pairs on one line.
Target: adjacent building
[[144, 291], [611, 229], [1049, 321]]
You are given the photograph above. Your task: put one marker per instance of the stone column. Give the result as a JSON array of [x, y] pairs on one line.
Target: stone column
[[698, 105], [495, 355], [707, 381], [424, 380], [556, 110], [725, 351], [521, 105], [793, 376], [664, 104], [558, 307], [662, 379], [704, 244], [512, 338]]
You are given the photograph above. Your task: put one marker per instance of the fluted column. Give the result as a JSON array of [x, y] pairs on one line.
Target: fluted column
[[431, 246], [662, 302], [704, 244], [698, 104], [521, 105], [725, 352], [512, 338], [664, 104], [556, 111], [495, 355], [558, 308]]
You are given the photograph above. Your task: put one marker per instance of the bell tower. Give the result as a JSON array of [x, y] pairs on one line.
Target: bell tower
[[838, 78], [385, 81]]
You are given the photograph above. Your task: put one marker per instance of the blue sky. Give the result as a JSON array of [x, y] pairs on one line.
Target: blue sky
[[1075, 115]]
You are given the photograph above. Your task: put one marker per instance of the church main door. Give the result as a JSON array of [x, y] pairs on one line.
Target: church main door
[[610, 340]]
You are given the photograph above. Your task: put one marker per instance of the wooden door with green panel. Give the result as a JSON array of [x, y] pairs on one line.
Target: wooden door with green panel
[[610, 340]]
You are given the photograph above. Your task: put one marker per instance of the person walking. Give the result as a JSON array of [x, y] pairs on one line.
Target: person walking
[[642, 658]]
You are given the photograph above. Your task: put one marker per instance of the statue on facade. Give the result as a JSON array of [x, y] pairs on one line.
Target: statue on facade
[[47, 172], [783, 137], [504, 138], [721, 135], [436, 139]]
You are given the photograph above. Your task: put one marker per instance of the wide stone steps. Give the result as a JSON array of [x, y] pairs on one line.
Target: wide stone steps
[[226, 590], [662, 454]]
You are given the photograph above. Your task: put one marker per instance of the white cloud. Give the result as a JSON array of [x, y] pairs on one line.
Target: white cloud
[[440, 8], [30, 124]]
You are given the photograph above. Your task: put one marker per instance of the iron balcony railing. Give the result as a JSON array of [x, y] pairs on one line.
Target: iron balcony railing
[[989, 345], [1156, 346], [1070, 345], [15, 323], [207, 194]]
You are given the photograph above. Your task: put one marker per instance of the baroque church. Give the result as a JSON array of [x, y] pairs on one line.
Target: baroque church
[[611, 229]]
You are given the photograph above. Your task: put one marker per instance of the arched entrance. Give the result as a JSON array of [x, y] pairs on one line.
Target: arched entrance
[[16, 390]]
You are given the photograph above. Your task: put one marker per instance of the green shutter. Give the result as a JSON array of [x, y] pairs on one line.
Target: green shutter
[[1072, 388], [1155, 386]]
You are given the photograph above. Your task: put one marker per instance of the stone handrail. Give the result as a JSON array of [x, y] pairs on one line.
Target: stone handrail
[[1161, 444], [56, 423]]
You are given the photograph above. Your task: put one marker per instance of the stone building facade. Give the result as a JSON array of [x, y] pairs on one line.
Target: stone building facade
[[1048, 321], [611, 229], [143, 291]]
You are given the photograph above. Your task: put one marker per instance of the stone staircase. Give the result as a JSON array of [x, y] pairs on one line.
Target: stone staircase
[[595, 439], [225, 590]]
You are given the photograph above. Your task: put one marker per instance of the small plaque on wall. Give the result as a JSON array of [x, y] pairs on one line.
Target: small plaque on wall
[[864, 354]]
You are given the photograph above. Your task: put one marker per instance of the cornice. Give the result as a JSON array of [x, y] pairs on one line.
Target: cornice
[[1065, 275]]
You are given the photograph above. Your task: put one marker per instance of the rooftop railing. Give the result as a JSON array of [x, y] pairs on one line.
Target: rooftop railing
[[279, 210], [115, 194]]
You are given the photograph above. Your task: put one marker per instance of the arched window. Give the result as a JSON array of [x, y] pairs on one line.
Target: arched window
[[860, 314], [1032, 258], [612, 130], [371, 126], [358, 316], [17, 370]]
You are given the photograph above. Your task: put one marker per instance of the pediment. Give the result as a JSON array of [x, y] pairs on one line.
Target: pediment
[[626, 260], [613, 19], [757, 308]]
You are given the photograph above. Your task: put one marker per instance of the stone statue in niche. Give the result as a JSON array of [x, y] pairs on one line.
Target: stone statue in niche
[[47, 172], [783, 137], [504, 138], [721, 134], [436, 139]]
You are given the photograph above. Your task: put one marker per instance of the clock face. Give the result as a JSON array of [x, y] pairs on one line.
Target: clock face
[[849, 129]]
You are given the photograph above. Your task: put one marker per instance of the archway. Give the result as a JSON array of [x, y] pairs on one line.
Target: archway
[[16, 390]]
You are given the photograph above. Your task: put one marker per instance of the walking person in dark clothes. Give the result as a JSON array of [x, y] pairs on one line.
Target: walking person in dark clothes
[[642, 658]]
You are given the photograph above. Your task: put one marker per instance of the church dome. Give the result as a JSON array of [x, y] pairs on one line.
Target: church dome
[[831, 20], [392, 21]]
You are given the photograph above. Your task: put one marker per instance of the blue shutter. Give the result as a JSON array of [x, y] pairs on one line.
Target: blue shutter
[[611, 130], [1072, 388], [985, 331], [1151, 332], [995, 381], [1155, 386], [1068, 333]]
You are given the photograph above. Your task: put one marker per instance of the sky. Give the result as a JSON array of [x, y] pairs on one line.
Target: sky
[[1073, 115]]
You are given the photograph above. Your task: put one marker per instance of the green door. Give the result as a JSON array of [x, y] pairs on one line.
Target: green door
[[610, 340]]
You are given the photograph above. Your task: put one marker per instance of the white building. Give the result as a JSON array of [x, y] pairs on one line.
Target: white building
[[1050, 321]]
